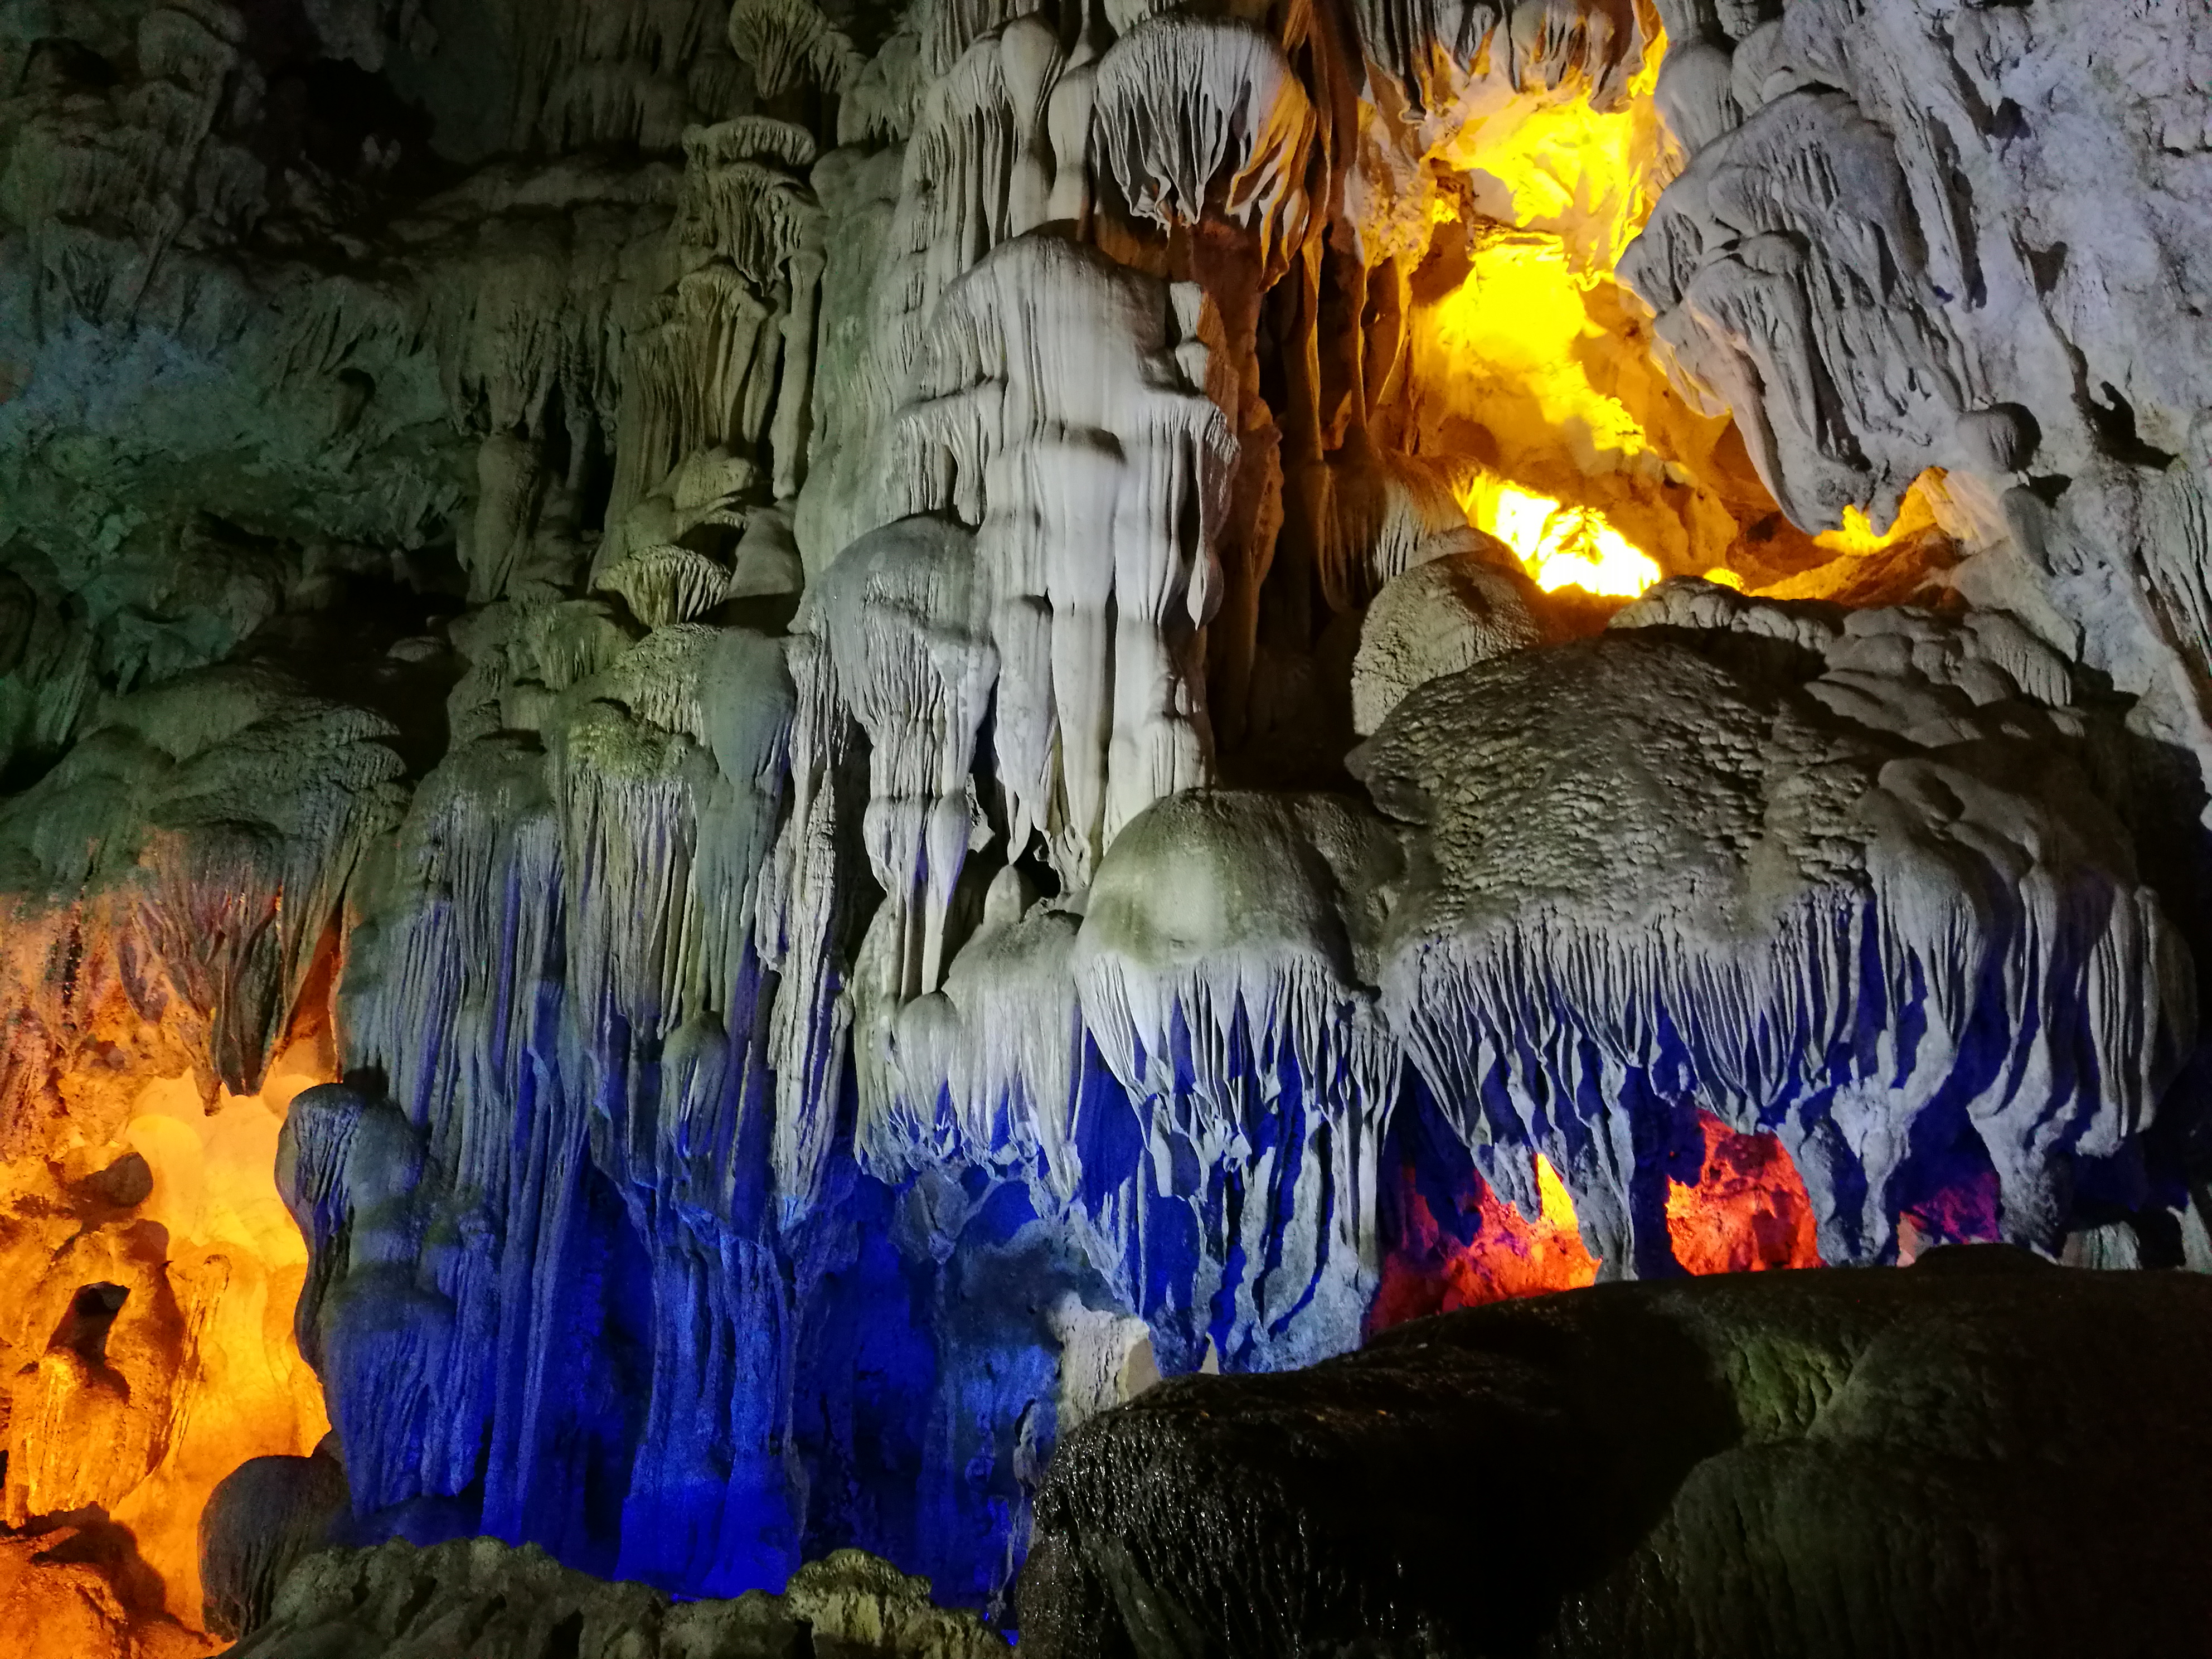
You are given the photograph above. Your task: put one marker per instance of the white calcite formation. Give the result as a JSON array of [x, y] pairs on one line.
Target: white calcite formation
[[1226, 967], [1913, 233], [1059, 407], [775, 608], [1467, 603], [1820, 875]]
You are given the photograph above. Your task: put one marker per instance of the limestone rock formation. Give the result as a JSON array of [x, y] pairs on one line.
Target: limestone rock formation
[[1966, 1457], [1845, 876], [269, 1515], [476, 1598], [175, 882], [831, 730], [1447, 613], [1999, 281], [86, 1590]]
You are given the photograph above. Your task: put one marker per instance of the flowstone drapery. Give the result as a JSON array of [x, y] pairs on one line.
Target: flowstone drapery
[[1843, 878], [930, 711]]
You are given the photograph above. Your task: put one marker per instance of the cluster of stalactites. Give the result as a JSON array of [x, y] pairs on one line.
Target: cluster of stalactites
[[1056, 410], [1197, 116], [1447, 62], [527, 315], [636, 71], [1222, 959], [1888, 893], [1023, 501], [1053, 498], [990, 1069], [662, 320], [204, 830], [1783, 265], [1224, 971], [1228, 952], [906, 617], [1191, 1073], [480, 841], [995, 143], [1012, 379], [608, 854], [789, 42], [1839, 264], [532, 289], [107, 203], [723, 359]]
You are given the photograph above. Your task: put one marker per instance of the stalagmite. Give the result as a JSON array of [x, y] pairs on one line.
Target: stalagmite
[[268, 1515], [1444, 614]]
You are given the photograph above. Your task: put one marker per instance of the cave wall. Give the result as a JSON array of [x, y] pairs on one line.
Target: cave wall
[[918, 676]]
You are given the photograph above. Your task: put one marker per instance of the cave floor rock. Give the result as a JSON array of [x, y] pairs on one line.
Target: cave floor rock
[[478, 1598], [1980, 1455]]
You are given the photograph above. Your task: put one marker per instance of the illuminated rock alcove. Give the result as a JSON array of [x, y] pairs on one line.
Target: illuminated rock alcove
[[751, 752]]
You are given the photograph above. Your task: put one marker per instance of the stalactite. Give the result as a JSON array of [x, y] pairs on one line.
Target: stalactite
[[1052, 411], [1839, 895]]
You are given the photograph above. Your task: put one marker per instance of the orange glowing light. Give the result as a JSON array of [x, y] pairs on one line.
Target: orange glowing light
[[1747, 1211], [150, 1273], [1857, 535], [1559, 546], [1510, 1254], [1721, 576]]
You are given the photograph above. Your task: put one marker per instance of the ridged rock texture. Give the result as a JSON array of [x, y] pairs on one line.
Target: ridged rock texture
[[830, 732], [1966, 1457], [481, 1598]]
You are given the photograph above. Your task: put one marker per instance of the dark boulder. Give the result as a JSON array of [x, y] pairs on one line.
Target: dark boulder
[[1982, 1454]]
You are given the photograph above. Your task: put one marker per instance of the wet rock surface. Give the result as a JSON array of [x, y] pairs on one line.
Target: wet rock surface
[[1980, 1455]]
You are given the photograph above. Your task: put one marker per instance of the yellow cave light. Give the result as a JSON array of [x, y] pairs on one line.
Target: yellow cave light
[[1914, 514], [1518, 333], [1856, 536], [1559, 546], [1559, 1205], [1589, 176], [1526, 345]]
